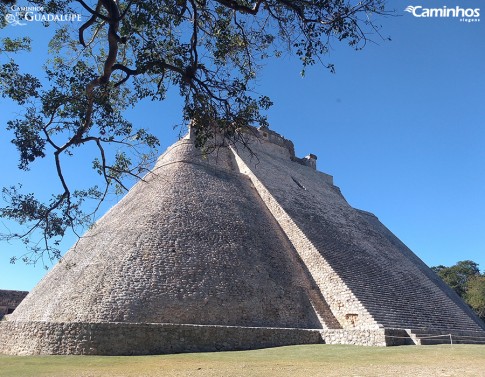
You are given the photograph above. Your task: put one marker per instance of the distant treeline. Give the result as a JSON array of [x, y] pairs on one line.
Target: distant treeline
[[466, 280]]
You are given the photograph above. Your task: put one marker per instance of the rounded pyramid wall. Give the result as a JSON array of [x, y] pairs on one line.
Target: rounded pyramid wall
[[190, 244]]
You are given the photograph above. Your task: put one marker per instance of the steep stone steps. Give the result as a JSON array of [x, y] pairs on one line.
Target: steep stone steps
[[364, 272], [397, 307], [393, 312]]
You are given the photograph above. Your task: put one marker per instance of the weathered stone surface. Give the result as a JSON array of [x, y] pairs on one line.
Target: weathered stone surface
[[188, 245], [227, 250], [9, 300], [74, 338], [40, 338], [367, 276]]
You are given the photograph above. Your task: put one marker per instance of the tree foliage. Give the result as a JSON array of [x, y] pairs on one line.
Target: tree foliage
[[209, 51], [465, 279], [458, 275], [475, 295]]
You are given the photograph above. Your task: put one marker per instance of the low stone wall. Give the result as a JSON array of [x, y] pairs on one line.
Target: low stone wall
[[51, 338], [38, 338], [372, 337], [356, 337]]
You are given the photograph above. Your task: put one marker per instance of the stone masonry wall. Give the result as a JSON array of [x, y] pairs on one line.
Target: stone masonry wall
[[336, 293], [45, 338], [466, 312], [379, 273], [231, 250], [192, 243], [9, 300]]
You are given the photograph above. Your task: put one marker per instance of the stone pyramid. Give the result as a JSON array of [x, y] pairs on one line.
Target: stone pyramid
[[235, 249]]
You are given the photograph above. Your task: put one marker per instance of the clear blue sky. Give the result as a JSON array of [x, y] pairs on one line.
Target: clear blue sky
[[400, 126]]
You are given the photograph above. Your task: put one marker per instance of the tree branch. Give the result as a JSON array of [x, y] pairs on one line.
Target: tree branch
[[93, 12], [241, 8]]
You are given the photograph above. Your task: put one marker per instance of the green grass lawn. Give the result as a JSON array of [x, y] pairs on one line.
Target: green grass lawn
[[306, 361]]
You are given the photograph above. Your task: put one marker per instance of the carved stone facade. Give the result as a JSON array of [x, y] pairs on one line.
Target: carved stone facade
[[9, 300], [234, 250]]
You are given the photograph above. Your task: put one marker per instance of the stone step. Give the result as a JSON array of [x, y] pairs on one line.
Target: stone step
[[406, 316], [427, 337]]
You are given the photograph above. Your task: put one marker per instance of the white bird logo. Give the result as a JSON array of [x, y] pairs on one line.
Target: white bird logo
[[410, 9]]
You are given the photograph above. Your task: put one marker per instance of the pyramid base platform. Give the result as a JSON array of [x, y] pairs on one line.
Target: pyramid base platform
[[119, 338]]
